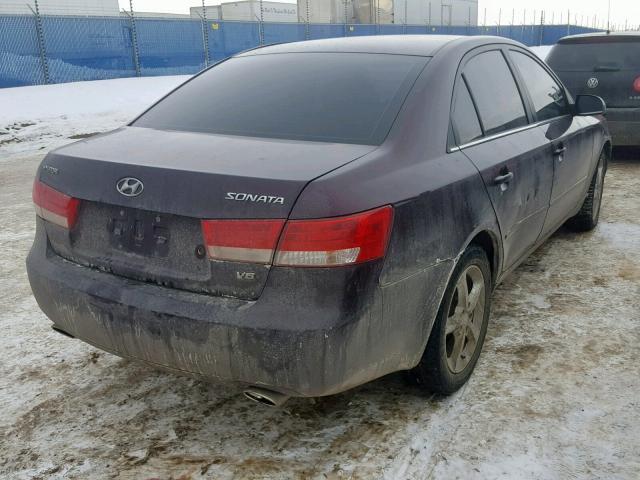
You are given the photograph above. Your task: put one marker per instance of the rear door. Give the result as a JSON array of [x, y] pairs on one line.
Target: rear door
[[492, 127], [607, 66], [570, 142]]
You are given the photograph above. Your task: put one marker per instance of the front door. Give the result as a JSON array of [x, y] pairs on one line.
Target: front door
[[572, 149], [570, 143]]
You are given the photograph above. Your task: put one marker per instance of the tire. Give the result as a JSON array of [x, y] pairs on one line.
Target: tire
[[587, 218], [441, 369]]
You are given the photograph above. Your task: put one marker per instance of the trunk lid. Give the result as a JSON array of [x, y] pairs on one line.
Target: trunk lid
[[156, 235]]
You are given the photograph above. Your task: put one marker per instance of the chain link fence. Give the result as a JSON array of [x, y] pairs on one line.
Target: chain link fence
[[38, 49]]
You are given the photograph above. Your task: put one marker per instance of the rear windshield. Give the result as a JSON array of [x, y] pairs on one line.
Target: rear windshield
[[327, 97], [590, 57]]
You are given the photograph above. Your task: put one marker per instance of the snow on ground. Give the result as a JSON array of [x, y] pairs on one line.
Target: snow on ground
[[46, 116], [555, 394]]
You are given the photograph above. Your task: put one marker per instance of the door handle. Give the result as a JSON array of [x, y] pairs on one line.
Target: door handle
[[501, 179], [560, 150]]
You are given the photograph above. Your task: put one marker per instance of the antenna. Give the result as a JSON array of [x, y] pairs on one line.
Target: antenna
[[609, 18]]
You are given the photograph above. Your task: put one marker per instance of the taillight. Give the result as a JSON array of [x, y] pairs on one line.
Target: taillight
[[312, 243], [335, 241], [55, 206], [636, 85], [241, 240]]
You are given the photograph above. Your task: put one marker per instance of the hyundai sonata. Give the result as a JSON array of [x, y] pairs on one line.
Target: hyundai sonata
[[303, 218]]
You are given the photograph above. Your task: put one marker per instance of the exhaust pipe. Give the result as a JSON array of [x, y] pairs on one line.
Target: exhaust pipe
[[266, 397]]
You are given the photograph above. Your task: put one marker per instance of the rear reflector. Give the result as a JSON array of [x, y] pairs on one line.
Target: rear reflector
[[241, 240], [335, 241], [636, 85], [55, 206], [312, 243]]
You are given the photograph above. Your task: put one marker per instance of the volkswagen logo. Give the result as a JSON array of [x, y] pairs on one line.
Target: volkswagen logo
[[129, 186], [592, 82]]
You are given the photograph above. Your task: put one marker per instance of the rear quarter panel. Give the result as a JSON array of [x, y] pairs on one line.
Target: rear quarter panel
[[439, 206]]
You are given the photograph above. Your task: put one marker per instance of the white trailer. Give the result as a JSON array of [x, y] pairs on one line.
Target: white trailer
[[249, 11], [409, 12], [326, 11], [446, 12], [213, 12]]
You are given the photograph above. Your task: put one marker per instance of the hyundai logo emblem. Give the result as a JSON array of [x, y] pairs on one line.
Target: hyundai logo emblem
[[592, 82], [129, 186]]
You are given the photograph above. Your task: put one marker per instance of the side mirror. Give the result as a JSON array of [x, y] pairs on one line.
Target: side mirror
[[590, 105]]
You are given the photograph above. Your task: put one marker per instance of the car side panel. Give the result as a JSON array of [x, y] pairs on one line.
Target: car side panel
[[572, 168], [602, 138]]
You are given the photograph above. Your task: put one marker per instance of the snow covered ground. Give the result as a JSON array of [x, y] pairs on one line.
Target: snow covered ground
[[46, 116], [556, 393]]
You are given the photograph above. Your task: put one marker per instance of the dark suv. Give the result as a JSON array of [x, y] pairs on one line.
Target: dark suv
[[607, 65]]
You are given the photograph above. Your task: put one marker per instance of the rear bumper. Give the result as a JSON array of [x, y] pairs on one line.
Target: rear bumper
[[624, 125], [307, 335]]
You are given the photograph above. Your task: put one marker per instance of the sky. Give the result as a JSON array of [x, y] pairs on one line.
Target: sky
[[586, 10]]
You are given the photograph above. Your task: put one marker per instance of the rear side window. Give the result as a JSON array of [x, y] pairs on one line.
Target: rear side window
[[547, 96], [495, 92], [465, 120], [326, 97], [593, 57]]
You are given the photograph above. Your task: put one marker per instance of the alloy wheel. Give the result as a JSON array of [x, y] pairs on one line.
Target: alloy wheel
[[465, 318]]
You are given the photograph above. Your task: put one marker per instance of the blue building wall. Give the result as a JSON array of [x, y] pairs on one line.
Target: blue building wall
[[94, 48]]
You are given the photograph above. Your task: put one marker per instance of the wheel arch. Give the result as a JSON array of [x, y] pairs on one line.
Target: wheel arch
[[487, 240]]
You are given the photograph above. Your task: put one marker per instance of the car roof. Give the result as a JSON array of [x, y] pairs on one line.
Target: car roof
[[601, 37], [419, 45]]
